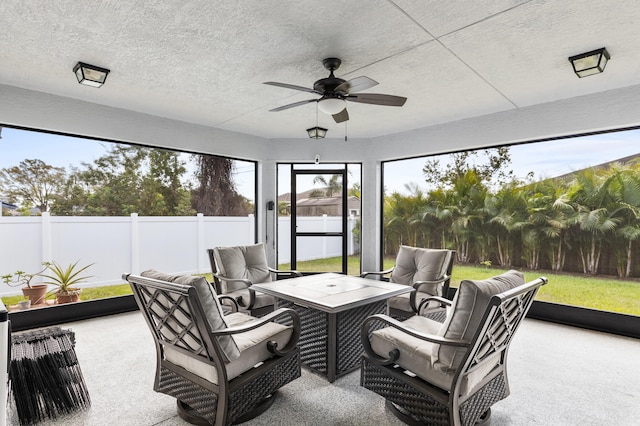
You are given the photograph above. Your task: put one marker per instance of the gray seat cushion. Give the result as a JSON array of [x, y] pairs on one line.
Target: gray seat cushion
[[418, 264], [416, 355], [421, 264], [252, 345], [464, 318], [436, 363], [210, 304], [244, 262]]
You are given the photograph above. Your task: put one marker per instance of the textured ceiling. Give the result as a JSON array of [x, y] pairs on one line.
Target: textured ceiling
[[204, 61]]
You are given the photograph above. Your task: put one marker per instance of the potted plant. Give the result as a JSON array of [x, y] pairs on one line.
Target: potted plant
[[34, 292], [65, 279]]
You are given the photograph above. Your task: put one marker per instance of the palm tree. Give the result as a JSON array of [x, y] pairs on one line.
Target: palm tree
[[506, 212], [625, 190], [595, 216], [333, 186], [466, 204], [400, 220]]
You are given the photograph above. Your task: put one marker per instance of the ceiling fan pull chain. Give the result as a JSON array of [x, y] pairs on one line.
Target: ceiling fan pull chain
[[345, 130]]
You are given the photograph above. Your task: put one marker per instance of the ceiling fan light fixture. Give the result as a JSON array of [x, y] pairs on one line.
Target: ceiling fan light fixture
[[90, 75], [317, 132], [590, 63], [332, 106]]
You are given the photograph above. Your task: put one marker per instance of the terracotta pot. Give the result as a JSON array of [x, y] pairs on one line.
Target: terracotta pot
[[72, 295], [36, 293]]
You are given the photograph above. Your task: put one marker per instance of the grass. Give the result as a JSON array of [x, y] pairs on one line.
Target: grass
[[601, 293], [87, 294]]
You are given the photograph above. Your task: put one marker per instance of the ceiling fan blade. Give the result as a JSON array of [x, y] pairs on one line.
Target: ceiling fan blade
[[341, 116], [356, 85], [292, 86], [377, 99], [295, 104]]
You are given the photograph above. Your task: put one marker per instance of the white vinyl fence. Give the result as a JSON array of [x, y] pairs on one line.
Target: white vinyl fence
[[117, 245]]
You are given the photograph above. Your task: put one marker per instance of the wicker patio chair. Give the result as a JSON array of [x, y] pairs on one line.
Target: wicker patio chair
[[236, 268], [221, 369], [427, 270], [451, 373]]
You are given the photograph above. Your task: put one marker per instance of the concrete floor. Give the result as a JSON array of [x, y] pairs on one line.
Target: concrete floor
[[559, 375]]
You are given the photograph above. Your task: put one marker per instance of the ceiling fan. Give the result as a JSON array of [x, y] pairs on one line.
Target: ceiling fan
[[335, 92]]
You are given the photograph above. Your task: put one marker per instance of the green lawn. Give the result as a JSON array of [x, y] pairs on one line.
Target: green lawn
[[602, 293]]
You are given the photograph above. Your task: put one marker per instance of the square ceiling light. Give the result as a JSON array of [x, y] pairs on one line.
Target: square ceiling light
[[90, 75], [590, 63]]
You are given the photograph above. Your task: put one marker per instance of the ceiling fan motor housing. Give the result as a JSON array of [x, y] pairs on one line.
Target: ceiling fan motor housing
[[328, 85]]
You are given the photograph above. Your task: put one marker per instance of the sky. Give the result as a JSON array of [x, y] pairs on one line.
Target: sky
[[545, 159], [64, 151]]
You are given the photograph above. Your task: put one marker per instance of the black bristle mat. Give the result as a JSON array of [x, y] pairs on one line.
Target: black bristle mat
[[46, 379]]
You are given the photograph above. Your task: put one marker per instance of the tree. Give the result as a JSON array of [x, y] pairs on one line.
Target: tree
[[625, 190], [490, 167], [467, 213], [127, 179], [216, 194], [506, 216], [356, 191], [401, 224], [595, 214], [34, 182], [333, 186]]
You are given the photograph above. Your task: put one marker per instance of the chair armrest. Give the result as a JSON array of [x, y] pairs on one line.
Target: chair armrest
[[292, 273], [416, 285], [239, 300], [439, 299], [234, 305], [436, 281], [233, 280], [378, 273], [366, 329], [270, 317]]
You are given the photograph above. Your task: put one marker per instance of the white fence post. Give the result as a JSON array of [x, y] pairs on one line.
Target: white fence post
[[324, 239], [135, 244], [349, 235], [46, 236], [252, 228], [201, 267]]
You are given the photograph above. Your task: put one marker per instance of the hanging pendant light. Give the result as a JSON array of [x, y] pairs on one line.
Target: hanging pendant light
[[317, 132]]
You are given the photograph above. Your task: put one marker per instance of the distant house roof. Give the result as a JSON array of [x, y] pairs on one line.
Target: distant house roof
[[9, 206], [300, 196], [623, 160], [327, 201]]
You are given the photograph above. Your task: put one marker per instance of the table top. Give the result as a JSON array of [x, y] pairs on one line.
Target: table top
[[331, 292]]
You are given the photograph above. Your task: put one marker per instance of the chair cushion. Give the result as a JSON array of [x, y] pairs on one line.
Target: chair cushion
[[210, 305], [468, 308], [246, 262], [421, 264], [252, 344], [415, 354]]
